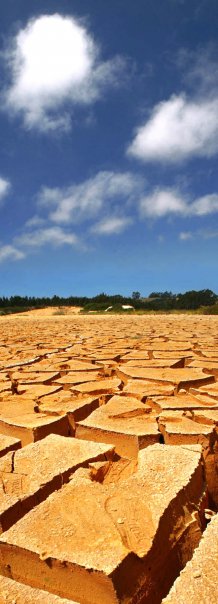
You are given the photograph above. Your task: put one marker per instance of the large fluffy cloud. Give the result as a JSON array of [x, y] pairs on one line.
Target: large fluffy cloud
[[178, 129], [55, 61]]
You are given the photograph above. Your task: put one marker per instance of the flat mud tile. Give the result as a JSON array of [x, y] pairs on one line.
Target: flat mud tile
[[76, 408], [37, 390], [210, 390], [76, 365], [77, 377], [135, 355], [208, 366], [24, 377], [155, 363]]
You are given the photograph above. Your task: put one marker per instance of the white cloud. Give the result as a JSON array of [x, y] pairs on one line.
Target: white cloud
[[4, 187], [208, 233], [165, 202], [52, 61], [185, 235], [54, 236], [162, 202], [205, 205], [9, 252], [84, 201], [111, 226], [35, 221], [178, 129]]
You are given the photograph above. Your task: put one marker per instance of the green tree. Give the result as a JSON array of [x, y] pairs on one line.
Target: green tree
[[136, 295]]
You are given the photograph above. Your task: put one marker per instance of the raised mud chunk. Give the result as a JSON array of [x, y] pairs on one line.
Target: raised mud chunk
[[29, 475], [197, 583], [123, 421], [103, 543], [200, 428], [180, 378], [141, 389], [106, 386], [8, 444], [32, 427], [12, 592], [182, 402]]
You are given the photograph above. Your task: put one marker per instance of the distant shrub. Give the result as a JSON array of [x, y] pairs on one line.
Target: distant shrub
[[211, 310]]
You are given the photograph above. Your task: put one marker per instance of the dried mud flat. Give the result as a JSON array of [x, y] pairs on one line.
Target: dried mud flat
[[108, 459]]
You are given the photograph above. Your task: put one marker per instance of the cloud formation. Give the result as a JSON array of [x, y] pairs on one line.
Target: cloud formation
[[85, 201], [165, 202], [112, 225], [55, 63], [178, 129], [9, 252], [185, 235], [54, 236], [5, 186]]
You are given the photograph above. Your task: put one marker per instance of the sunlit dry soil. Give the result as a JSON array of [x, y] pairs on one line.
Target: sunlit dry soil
[[108, 458]]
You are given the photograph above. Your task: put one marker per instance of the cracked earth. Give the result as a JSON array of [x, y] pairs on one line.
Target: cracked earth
[[108, 459]]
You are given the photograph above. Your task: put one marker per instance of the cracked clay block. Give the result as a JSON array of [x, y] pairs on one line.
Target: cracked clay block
[[29, 475], [197, 583], [183, 377], [181, 402], [104, 543], [12, 592], [106, 386], [123, 421], [142, 389], [8, 444], [199, 428], [76, 408], [31, 427]]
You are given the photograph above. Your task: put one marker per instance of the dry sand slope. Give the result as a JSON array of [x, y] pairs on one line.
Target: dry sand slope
[[108, 458]]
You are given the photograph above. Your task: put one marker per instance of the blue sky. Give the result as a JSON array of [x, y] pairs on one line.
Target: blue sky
[[109, 146]]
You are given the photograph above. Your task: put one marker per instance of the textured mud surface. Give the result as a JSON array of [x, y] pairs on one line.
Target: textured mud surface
[[108, 459]]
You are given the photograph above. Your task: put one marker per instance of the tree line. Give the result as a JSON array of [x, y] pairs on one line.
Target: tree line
[[190, 300]]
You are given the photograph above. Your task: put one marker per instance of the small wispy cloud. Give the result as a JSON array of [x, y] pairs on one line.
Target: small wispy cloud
[[54, 236], [35, 221], [83, 202], [9, 252], [5, 187], [113, 225], [185, 235], [205, 233], [166, 202], [208, 233], [54, 64]]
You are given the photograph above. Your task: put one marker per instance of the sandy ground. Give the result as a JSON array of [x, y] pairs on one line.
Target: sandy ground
[[45, 313]]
